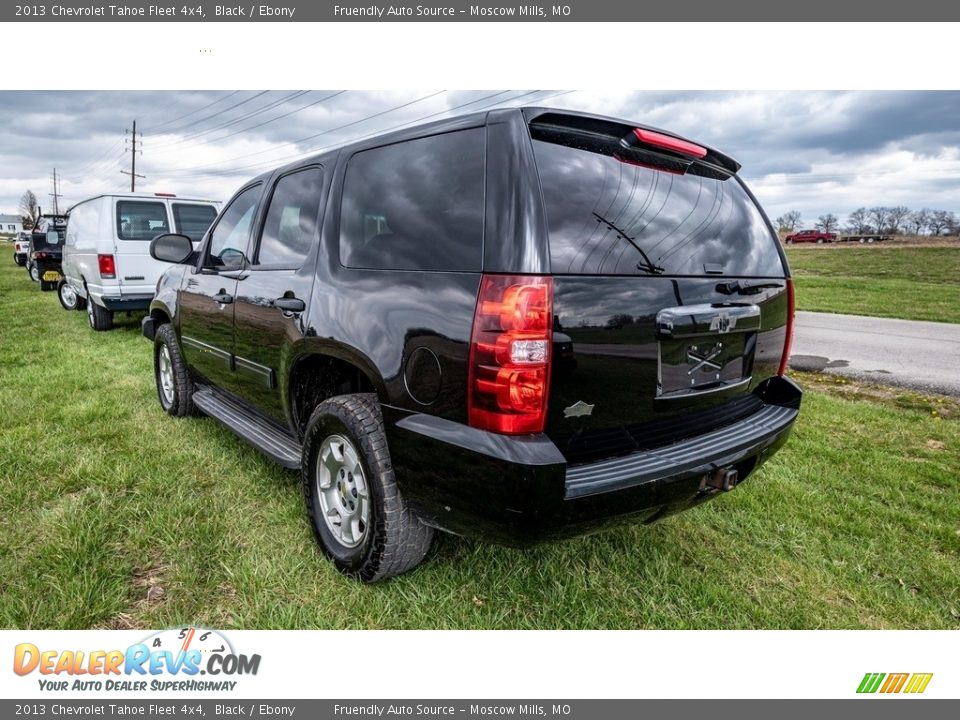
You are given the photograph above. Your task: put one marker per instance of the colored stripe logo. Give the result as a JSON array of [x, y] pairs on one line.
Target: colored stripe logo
[[913, 683]]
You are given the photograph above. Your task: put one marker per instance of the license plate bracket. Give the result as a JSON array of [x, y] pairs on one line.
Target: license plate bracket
[[705, 348]]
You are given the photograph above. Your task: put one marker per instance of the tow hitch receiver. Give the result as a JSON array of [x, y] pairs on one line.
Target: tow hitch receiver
[[720, 479]]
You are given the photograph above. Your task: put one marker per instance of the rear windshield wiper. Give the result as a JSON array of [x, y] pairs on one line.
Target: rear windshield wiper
[[646, 263]]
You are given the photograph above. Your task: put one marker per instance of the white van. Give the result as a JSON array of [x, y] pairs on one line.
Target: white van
[[107, 266]]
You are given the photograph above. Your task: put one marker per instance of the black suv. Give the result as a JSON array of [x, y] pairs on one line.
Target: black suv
[[45, 259], [513, 325]]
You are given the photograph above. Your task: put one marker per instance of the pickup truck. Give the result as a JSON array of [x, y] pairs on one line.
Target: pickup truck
[[810, 236]]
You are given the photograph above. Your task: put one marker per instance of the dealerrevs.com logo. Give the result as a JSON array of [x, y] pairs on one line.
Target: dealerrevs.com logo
[[891, 683], [168, 660]]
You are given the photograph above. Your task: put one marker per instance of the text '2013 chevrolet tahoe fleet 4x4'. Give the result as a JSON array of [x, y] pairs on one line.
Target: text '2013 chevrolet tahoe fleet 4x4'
[[513, 325]]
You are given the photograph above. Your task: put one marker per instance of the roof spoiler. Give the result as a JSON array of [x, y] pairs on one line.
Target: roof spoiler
[[630, 136]]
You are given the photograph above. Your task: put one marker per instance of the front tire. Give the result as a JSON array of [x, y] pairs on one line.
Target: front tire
[[174, 386], [100, 318], [358, 516], [68, 296]]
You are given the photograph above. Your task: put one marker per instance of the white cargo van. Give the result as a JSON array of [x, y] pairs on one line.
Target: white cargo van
[[107, 266]]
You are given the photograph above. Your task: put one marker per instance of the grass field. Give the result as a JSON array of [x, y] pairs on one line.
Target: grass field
[[113, 514], [900, 281]]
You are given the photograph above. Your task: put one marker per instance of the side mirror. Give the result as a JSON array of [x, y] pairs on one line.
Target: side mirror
[[53, 237], [171, 248]]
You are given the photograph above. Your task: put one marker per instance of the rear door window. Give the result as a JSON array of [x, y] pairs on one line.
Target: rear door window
[[193, 220], [141, 219], [607, 216], [416, 205]]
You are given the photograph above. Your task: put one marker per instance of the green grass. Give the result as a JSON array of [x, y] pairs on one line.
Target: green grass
[[913, 283], [102, 497]]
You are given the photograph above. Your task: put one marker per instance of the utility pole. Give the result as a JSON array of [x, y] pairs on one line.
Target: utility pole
[[55, 194], [133, 158]]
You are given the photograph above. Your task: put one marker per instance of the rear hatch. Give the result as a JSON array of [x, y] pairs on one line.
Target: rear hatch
[[137, 222], [670, 291]]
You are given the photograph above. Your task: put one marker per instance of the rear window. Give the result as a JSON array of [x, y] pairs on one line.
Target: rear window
[[193, 220], [141, 220], [416, 205], [610, 217]]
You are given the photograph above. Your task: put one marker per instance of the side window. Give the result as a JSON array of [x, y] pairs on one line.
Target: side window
[[228, 240], [291, 224], [141, 220], [416, 205], [193, 220]]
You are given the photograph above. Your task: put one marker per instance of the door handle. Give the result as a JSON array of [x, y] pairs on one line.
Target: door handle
[[223, 298], [293, 305]]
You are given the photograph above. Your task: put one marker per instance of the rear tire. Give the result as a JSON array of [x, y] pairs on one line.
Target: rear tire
[[69, 298], [358, 516], [34, 272], [174, 386], [100, 318], [21, 261]]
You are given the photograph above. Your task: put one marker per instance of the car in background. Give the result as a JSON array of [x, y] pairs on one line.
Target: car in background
[[21, 249], [46, 251], [810, 236], [106, 259]]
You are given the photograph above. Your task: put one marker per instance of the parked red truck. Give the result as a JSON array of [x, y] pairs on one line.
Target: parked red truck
[[810, 236]]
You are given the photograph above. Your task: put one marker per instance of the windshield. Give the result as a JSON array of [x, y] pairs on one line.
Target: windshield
[[607, 216]]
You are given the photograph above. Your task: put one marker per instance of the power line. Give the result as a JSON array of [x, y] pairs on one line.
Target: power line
[[228, 123], [280, 160], [267, 122], [193, 112], [209, 117]]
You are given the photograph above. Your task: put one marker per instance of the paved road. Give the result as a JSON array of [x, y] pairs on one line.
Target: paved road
[[907, 353]]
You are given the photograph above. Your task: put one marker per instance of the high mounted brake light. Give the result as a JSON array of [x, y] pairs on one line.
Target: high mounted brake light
[[667, 142], [510, 350], [788, 342], [173, 195]]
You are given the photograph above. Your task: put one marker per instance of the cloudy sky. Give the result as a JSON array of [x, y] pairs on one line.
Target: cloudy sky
[[812, 152]]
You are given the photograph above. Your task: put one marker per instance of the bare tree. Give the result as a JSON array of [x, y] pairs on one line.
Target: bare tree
[[618, 321], [896, 217], [789, 221], [858, 221], [917, 222], [828, 223], [939, 221], [879, 216], [29, 209]]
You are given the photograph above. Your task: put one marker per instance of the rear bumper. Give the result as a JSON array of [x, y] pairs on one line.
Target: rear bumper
[[519, 490], [126, 303]]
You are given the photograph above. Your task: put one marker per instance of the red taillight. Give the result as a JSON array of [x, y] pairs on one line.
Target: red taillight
[[108, 269], [649, 137], [39, 255], [791, 312], [510, 354]]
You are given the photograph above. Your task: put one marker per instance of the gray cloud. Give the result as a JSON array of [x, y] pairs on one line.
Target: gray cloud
[[812, 151]]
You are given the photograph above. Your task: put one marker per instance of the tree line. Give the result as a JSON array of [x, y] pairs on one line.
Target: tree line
[[897, 220]]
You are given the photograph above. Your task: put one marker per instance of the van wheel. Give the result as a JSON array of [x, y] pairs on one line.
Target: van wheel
[[174, 386], [358, 516], [100, 318]]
